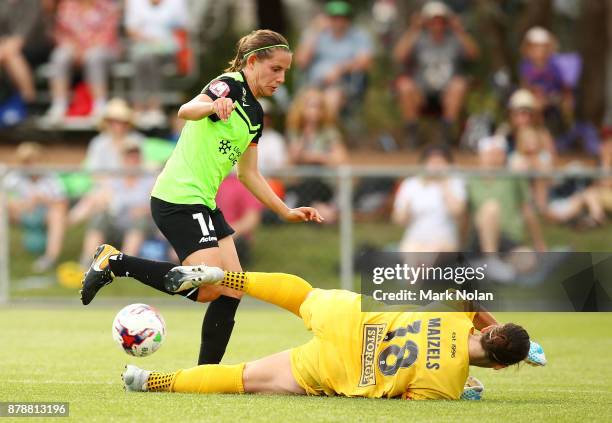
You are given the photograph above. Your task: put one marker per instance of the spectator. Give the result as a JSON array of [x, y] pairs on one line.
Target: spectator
[[86, 34], [17, 19], [540, 73], [313, 136], [432, 51], [176, 126], [606, 148], [242, 211], [272, 157], [575, 201], [119, 209], [314, 140], [335, 56], [273, 153], [105, 150], [523, 112], [151, 26], [430, 206], [531, 155], [585, 202], [37, 203], [501, 205]]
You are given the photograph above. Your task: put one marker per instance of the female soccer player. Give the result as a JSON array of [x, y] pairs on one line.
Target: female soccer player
[[415, 355], [223, 126]]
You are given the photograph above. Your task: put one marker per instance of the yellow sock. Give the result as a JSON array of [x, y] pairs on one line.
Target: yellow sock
[[160, 382], [284, 290], [205, 379]]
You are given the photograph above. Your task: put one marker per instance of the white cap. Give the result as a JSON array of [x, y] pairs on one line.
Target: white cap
[[432, 9], [492, 142], [538, 35], [522, 99]]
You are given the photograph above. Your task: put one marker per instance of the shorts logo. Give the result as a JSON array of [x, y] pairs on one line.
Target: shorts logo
[[206, 229], [219, 88], [372, 336]]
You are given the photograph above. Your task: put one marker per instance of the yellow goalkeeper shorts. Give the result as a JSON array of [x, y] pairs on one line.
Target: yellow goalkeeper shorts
[[330, 363]]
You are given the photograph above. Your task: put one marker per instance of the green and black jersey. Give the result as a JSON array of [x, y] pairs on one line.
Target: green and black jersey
[[208, 148]]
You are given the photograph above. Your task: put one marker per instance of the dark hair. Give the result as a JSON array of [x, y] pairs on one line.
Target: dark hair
[[258, 39], [507, 344], [441, 149]]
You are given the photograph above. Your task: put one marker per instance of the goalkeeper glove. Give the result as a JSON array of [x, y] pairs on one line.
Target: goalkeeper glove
[[472, 390], [536, 356]]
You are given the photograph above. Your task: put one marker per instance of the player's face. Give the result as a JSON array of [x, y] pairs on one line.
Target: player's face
[[270, 73]]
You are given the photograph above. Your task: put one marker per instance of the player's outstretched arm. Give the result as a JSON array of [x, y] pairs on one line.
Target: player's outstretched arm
[[249, 175]]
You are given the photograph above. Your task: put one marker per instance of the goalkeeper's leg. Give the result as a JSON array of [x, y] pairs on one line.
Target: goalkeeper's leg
[[271, 374], [284, 290]]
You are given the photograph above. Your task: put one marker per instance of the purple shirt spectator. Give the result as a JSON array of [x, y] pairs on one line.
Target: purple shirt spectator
[[549, 78]]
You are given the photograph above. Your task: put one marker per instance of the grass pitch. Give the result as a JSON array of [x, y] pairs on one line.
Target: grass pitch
[[66, 353]]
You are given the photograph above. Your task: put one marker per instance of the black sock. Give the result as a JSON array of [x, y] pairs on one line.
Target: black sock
[[149, 272], [216, 329]]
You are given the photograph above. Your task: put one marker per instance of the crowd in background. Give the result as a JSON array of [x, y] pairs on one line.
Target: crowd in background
[[431, 58]]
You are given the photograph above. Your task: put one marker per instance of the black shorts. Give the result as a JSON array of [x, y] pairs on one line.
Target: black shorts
[[189, 227]]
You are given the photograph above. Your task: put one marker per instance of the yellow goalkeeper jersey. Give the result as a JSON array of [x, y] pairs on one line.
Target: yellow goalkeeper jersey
[[416, 355]]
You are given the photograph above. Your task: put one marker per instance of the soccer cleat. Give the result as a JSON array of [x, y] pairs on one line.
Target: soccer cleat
[[135, 379], [181, 278], [536, 356], [98, 274], [472, 390]]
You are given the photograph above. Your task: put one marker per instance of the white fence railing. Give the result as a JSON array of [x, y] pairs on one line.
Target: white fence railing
[[344, 176]]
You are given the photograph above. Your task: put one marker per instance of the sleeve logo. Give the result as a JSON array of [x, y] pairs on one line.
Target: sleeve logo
[[219, 88]]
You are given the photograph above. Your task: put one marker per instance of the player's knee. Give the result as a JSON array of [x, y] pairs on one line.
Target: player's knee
[[300, 282]]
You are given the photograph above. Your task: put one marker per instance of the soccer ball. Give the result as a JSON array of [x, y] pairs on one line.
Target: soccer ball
[[139, 329]]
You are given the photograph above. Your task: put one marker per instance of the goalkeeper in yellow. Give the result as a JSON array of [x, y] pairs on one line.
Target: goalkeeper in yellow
[[409, 355]]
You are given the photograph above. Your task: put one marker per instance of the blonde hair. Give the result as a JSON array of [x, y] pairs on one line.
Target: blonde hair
[[262, 43], [295, 115], [28, 151]]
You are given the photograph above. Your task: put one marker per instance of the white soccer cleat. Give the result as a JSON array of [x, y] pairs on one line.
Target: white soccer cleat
[[135, 379], [536, 356], [181, 278]]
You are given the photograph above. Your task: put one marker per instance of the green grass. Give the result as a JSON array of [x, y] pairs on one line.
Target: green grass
[[66, 353]]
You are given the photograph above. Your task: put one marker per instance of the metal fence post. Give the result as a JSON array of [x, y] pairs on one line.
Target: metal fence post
[[4, 240], [345, 194]]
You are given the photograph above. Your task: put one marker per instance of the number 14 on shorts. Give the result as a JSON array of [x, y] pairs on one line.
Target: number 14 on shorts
[[206, 229]]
